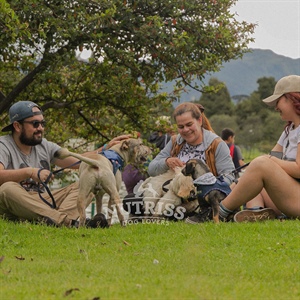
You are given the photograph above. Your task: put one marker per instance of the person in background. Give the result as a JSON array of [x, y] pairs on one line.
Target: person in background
[[270, 186], [131, 175], [161, 136], [235, 151], [25, 162]]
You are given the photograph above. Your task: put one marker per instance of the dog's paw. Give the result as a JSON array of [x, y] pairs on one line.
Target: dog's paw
[[123, 223], [98, 221]]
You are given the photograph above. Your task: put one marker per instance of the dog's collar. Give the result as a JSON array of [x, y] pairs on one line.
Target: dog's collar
[[116, 160]]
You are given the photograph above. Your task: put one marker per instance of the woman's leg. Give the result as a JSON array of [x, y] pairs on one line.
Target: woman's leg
[[257, 201], [269, 203], [264, 173]]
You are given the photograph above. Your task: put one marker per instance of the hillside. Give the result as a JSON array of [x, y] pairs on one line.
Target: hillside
[[240, 76]]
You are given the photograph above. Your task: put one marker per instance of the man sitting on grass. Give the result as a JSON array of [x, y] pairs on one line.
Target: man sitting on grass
[[25, 162]]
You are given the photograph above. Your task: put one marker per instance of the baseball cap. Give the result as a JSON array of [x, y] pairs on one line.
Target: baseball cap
[[287, 84], [20, 111]]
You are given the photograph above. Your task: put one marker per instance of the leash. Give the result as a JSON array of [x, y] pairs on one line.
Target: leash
[[59, 170], [236, 171], [45, 184], [241, 167]]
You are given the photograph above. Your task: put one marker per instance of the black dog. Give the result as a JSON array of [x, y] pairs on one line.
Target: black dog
[[210, 190]]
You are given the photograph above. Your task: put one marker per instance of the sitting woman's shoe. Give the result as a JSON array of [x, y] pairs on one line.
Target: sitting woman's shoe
[[254, 215]]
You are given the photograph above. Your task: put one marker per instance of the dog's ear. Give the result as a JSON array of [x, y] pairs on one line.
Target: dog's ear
[[177, 170], [186, 187], [125, 145], [189, 169], [203, 167]]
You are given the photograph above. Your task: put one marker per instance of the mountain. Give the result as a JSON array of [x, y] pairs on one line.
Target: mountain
[[241, 75]]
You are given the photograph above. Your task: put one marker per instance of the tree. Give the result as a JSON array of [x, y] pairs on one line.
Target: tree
[[266, 86], [135, 46], [255, 110], [218, 101], [272, 133], [251, 134], [221, 121], [254, 106]]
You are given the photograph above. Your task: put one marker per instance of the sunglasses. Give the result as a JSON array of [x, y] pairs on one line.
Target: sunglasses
[[36, 123]]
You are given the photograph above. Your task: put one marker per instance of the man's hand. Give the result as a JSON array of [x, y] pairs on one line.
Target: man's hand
[[42, 176], [113, 142], [118, 140]]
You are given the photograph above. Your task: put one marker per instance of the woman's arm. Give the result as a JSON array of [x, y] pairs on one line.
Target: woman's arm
[[224, 163], [290, 167], [158, 165]]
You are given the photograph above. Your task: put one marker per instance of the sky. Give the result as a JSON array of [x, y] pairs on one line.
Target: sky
[[278, 24]]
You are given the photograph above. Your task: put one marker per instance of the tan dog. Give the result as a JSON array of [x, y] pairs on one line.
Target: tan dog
[[162, 201], [180, 189], [96, 175]]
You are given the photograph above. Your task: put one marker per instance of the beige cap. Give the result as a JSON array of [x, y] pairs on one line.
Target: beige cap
[[287, 84]]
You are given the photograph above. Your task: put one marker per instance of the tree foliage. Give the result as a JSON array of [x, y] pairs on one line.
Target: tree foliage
[[218, 100], [221, 121], [254, 123], [135, 46]]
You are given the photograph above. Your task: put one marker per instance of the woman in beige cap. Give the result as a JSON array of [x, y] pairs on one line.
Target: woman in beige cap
[[271, 183]]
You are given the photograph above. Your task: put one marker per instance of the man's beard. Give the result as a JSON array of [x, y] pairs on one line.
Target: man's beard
[[30, 141]]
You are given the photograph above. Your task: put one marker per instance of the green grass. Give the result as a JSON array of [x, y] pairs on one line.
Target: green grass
[[251, 153], [151, 261]]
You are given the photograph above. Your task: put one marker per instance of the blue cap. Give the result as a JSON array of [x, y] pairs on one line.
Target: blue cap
[[20, 111]]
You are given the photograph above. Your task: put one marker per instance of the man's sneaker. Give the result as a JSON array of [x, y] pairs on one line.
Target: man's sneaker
[[254, 215], [47, 221], [201, 217]]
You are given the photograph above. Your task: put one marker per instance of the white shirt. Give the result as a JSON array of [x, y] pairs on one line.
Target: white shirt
[[290, 142]]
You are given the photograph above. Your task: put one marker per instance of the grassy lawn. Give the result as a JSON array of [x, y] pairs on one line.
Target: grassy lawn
[[151, 261]]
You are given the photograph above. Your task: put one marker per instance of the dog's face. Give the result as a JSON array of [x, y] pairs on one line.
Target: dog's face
[[135, 151], [183, 185], [195, 168]]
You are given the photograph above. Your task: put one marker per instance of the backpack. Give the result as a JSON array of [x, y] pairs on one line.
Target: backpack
[[231, 149], [234, 155], [209, 152]]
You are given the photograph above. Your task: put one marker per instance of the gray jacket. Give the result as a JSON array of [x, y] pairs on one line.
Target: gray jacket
[[224, 163]]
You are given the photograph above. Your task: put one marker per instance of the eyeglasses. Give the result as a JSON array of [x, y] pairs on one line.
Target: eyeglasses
[[36, 123]]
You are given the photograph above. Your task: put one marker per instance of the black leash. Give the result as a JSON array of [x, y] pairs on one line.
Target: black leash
[[57, 171], [45, 184], [237, 170], [241, 167]]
